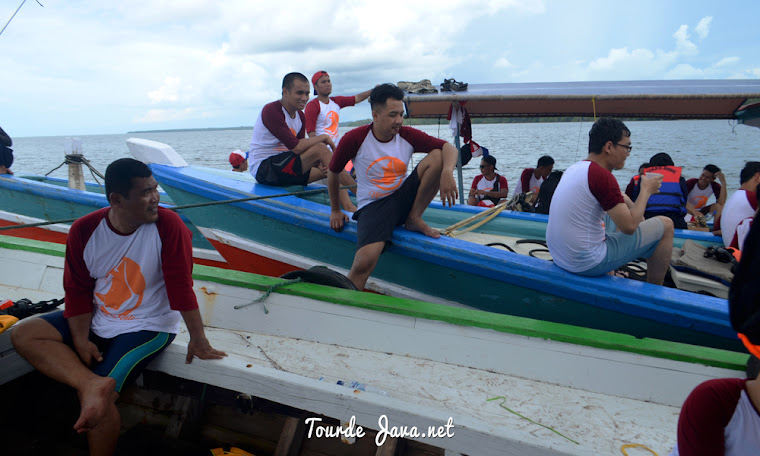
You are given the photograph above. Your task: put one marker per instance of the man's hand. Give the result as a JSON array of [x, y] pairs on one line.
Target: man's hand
[[201, 348], [88, 352], [337, 219], [651, 183], [721, 177], [449, 191], [328, 140]]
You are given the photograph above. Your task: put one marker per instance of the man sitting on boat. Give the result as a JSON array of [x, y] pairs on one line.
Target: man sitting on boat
[[579, 236], [323, 112], [700, 190], [239, 161], [670, 201], [741, 208], [489, 187], [280, 153], [387, 197], [532, 178], [127, 281]]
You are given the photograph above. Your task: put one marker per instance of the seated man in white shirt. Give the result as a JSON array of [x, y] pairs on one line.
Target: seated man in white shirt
[[576, 234], [489, 188], [532, 178], [741, 208]]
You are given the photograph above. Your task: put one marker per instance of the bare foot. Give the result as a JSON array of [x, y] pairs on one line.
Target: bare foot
[[421, 227], [94, 399]]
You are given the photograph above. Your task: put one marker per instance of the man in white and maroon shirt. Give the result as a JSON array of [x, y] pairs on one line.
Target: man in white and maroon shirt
[[741, 208], [280, 153], [387, 197], [532, 178], [323, 112], [579, 238], [700, 190], [488, 188], [128, 282], [721, 417]]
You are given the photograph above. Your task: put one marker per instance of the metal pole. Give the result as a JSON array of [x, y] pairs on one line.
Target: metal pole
[[459, 167]]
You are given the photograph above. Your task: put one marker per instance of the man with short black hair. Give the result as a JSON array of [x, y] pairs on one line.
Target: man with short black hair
[[387, 197], [128, 282], [532, 178], [741, 208], [280, 153], [580, 238], [488, 188], [700, 190]]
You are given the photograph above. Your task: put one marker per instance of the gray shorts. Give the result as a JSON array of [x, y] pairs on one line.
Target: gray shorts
[[622, 248]]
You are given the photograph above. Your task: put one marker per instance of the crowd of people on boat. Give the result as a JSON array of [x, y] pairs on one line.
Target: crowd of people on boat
[[593, 228]]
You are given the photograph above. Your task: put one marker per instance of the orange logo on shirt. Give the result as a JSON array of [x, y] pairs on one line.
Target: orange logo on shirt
[[293, 131], [331, 123], [127, 282], [392, 172], [700, 201]]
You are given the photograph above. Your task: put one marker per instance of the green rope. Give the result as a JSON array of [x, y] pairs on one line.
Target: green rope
[[187, 206], [504, 399], [268, 292]]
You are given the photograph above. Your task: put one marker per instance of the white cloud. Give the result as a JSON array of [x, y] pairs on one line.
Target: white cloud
[[684, 71], [164, 115], [726, 61], [502, 63], [167, 92], [703, 27], [683, 45]]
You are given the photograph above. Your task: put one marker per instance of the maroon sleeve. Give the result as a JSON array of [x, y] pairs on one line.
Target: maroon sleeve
[[475, 182], [752, 198], [690, 185], [176, 260], [604, 187], [344, 102], [312, 112], [78, 284], [274, 120], [715, 187], [503, 184], [420, 141], [348, 147], [705, 415], [525, 180]]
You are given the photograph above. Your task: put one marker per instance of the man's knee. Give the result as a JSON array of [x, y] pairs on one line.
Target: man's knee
[[35, 329], [667, 224]]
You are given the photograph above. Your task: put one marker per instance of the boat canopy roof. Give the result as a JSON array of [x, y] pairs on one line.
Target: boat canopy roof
[[671, 99]]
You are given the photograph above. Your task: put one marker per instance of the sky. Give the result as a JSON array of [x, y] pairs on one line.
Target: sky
[[79, 67]]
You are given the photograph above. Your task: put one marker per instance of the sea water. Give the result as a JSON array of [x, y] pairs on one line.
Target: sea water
[[691, 143]]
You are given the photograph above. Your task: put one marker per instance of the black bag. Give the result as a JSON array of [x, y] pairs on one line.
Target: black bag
[[546, 192]]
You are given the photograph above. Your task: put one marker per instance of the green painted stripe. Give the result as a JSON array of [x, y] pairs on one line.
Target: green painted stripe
[[457, 316]]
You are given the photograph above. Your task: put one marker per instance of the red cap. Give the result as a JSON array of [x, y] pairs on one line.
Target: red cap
[[236, 158], [316, 77]]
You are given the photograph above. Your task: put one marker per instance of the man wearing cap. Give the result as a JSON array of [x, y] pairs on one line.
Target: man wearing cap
[[280, 153], [239, 161], [489, 187], [323, 112]]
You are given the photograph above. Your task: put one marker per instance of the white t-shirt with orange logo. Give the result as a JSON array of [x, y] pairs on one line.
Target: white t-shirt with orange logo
[[129, 282], [274, 132], [323, 118], [380, 166]]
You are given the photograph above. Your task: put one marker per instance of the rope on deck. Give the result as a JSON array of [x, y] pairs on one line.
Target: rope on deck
[[269, 291]]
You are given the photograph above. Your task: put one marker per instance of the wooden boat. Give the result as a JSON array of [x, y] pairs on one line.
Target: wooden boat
[[295, 231], [30, 199], [583, 391]]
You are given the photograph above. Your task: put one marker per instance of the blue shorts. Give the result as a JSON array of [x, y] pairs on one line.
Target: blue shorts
[[622, 248], [124, 356]]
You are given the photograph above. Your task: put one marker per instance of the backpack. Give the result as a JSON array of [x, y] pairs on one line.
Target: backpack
[[546, 192]]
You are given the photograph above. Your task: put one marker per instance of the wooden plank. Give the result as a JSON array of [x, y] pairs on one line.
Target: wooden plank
[[388, 448], [185, 419], [289, 443]]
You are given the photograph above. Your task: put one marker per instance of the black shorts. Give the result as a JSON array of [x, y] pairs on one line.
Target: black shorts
[[376, 221], [281, 170]]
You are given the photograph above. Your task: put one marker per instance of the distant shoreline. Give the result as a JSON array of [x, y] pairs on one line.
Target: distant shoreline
[[422, 121]]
